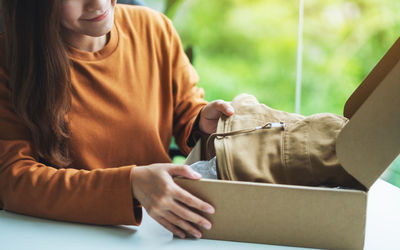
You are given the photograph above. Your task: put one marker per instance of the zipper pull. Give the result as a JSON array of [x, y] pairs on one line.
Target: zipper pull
[[281, 125], [272, 125]]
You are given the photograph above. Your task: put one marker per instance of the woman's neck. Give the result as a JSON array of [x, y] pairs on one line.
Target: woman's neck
[[85, 42]]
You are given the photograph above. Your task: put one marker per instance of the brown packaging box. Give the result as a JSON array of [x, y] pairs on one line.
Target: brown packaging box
[[315, 216]]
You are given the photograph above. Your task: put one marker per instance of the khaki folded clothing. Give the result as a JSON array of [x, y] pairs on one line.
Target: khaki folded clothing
[[261, 144]]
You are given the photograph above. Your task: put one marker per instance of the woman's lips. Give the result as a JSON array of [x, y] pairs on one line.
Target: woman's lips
[[99, 18]]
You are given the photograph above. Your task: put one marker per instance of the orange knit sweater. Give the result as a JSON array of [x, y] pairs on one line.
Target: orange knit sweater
[[128, 100]]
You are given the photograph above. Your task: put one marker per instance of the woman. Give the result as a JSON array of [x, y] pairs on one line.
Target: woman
[[90, 95]]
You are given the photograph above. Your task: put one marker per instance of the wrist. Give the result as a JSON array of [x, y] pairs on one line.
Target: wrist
[[139, 181], [137, 206], [134, 180], [196, 132]]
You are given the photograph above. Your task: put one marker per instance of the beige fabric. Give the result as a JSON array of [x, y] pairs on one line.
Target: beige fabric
[[300, 153]]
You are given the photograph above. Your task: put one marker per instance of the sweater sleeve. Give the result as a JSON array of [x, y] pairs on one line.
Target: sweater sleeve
[[188, 98], [29, 187]]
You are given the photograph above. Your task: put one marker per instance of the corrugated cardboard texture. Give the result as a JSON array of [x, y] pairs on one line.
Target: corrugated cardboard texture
[[283, 214], [376, 76], [371, 139]]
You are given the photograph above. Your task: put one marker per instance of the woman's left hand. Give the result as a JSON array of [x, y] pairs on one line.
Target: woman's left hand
[[211, 113]]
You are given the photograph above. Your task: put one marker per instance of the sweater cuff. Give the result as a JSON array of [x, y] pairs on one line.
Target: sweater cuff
[[195, 133], [136, 206]]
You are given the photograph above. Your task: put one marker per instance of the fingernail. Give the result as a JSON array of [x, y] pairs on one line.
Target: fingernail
[[210, 210], [230, 110], [207, 226], [196, 175], [197, 235]]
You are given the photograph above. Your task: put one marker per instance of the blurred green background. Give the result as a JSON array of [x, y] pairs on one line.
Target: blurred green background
[[251, 46]]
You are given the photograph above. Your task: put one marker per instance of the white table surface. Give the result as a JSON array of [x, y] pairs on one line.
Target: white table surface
[[24, 232]]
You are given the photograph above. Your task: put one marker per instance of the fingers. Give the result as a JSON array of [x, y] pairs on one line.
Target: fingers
[[184, 171], [211, 113], [183, 224], [184, 196], [178, 214], [224, 107], [190, 216], [190, 200], [170, 227], [178, 218], [168, 203]]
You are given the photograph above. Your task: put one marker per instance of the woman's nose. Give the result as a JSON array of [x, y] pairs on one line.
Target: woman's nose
[[96, 5]]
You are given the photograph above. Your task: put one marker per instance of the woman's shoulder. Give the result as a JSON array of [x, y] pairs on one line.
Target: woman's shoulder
[[140, 18]]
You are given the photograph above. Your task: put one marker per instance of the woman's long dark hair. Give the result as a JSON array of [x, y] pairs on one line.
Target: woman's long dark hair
[[39, 76]]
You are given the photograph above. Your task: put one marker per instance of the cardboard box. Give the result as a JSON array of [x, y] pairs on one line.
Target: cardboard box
[[315, 216]]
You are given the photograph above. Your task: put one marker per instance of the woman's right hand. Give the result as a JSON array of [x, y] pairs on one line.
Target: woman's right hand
[[168, 203]]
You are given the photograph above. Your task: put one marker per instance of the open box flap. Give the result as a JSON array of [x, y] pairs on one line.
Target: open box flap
[[370, 141], [374, 78]]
